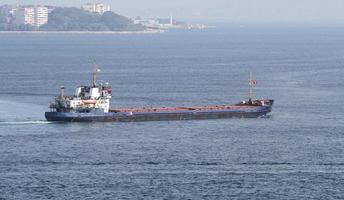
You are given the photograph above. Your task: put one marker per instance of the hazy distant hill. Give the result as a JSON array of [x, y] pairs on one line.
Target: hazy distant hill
[[74, 19], [5, 26]]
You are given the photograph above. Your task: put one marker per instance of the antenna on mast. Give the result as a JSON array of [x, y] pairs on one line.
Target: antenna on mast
[[251, 84], [94, 73]]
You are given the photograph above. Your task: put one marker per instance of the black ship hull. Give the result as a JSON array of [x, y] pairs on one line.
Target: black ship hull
[[250, 112]]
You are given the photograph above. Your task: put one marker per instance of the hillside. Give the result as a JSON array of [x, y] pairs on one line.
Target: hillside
[[74, 19]]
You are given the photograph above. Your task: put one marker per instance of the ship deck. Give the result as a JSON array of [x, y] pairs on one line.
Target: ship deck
[[182, 108]]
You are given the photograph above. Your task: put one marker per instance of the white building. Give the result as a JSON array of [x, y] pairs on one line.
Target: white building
[[150, 23], [9, 11], [41, 15], [25, 15], [99, 8], [32, 15]]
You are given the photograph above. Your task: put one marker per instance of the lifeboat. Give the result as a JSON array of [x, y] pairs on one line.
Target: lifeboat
[[90, 101]]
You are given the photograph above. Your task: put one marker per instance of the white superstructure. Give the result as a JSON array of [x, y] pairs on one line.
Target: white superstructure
[[94, 98]]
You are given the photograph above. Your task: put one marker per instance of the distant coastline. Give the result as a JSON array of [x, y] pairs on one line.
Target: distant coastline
[[44, 19], [87, 32]]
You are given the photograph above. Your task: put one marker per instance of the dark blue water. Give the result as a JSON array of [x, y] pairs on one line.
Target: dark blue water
[[295, 153]]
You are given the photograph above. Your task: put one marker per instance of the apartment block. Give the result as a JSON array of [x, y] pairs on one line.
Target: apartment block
[[99, 8], [41, 15], [32, 15]]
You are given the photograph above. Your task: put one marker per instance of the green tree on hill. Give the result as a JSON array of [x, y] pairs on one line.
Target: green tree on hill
[[74, 19]]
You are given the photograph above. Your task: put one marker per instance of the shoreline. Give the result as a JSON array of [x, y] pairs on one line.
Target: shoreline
[[87, 32]]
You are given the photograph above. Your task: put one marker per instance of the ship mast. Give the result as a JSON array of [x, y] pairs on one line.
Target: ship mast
[[62, 94], [251, 83], [94, 74]]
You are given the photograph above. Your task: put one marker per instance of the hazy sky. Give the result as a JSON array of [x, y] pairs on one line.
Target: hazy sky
[[230, 10]]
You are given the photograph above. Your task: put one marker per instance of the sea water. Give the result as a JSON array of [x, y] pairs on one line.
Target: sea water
[[294, 153]]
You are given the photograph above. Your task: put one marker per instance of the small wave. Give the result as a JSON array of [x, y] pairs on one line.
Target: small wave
[[152, 163], [290, 164], [99, 163], [266, 117], [270, 163], [208, 163], [331, 164]]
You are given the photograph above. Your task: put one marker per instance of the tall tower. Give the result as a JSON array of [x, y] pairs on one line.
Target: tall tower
[[171, 20]]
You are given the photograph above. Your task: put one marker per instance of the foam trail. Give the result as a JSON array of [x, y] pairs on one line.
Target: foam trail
[[13, 112], [4, 123]]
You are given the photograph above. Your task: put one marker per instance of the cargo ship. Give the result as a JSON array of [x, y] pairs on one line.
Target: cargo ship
[[92, 104]]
